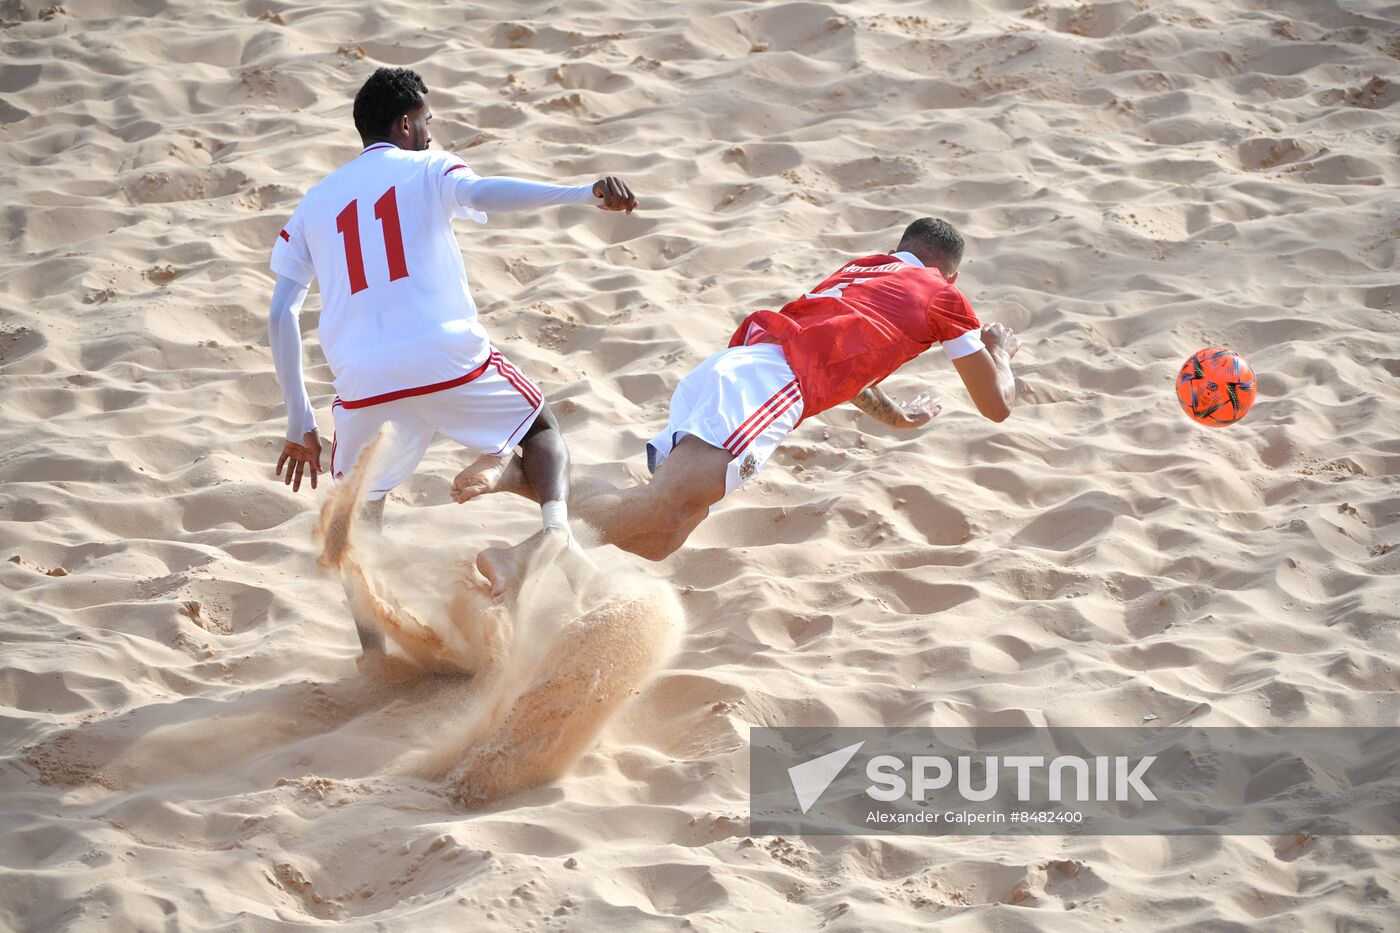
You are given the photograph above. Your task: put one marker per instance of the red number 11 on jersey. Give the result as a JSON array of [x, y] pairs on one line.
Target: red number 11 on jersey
[[347, 222]]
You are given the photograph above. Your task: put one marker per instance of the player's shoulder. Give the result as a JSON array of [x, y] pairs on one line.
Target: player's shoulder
[[435, 159], [950, 305], [441, 156], [432, 165]]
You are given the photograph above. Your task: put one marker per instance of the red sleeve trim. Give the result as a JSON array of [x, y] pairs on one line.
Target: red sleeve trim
[[454, 168], [284, 235]]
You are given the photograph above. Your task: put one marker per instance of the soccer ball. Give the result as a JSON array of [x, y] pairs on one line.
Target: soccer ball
[[1215, 387]]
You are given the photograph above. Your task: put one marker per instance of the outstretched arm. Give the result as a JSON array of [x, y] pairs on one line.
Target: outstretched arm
[[499, 193], [882, 408], [303, 445], [987, 373]]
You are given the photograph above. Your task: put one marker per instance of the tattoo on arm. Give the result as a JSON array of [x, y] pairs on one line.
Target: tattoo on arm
[[879, 406]]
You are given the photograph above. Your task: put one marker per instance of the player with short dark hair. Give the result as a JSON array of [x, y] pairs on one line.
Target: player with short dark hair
[[936, 239], [385, 96], [398, 326]]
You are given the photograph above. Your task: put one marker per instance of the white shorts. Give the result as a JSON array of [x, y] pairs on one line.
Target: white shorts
[[487, 413], [743, 399]]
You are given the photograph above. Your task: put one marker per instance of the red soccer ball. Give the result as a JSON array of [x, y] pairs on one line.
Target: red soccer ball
[[1215, 387]]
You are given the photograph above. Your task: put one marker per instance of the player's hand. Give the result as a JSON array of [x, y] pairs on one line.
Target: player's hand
[[919, 411], [615, 194], [301, 458], [999, 335]]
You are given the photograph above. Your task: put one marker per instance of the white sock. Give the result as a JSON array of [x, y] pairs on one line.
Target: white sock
[[556, 514]]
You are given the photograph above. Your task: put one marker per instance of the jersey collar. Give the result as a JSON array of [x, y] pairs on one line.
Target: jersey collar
[[375, 147], [908, 257]]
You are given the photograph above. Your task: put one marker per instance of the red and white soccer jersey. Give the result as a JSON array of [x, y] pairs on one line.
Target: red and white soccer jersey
[[781, 367], [397, 314], [862, 323]]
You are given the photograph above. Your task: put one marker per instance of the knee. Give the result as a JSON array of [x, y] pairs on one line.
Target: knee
[[545, 429], [655, 548], [681, 522], [543, 436], [667, 531], [679, 519]]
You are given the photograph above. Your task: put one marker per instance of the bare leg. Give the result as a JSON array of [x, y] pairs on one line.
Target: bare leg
[[652, 520], [545, 458], [482, 476], [662, 544], [513, 480], [506, 568], [540, 473], [655, 519], [543, 476]]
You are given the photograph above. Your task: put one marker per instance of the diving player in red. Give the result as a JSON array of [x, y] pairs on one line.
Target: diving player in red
[[833, 345]]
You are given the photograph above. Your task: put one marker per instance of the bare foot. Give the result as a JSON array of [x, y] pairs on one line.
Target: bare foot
[[506, 568], [513, 480], [480, 478]]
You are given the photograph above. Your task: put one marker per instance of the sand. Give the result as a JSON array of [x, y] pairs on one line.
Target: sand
[[185, 741]]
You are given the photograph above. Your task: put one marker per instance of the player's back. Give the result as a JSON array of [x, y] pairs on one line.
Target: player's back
[[883, 286], [861, 324], [377, 233]]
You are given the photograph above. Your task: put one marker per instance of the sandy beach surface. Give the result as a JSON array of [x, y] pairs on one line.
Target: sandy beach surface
[[185, 741]]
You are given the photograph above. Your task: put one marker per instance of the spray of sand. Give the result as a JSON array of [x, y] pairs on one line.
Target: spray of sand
[[549, 669]]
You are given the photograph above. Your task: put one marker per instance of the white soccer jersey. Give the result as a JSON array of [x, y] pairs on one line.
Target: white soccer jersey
[[377, 233]]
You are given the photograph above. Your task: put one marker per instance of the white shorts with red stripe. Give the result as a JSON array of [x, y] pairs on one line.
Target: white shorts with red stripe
[[487, 411], [743, 399]]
